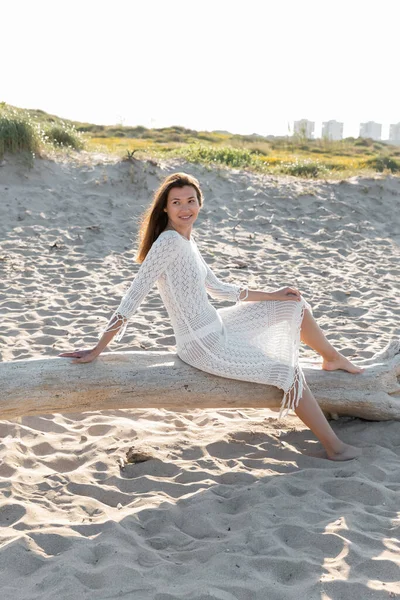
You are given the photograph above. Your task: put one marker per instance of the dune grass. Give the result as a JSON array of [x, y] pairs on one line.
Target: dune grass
[[384, 162], [18, 132], [236, 158], [63, 135], [37, 132], [291, 156], [21, 131]]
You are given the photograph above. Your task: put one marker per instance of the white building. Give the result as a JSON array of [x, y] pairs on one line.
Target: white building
[[333, 130], [394, 133], [371, 130], [304, 128]]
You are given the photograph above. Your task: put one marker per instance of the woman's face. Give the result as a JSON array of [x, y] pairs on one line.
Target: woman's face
[[182, 206]]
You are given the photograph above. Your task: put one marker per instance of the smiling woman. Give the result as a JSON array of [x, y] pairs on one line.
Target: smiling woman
[[257, 339], [177, 192], [182, 209]]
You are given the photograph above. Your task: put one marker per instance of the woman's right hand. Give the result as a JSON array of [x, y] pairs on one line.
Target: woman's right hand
[[82, 356]]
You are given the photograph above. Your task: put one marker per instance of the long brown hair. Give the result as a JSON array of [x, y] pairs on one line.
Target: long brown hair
[[154, 220]]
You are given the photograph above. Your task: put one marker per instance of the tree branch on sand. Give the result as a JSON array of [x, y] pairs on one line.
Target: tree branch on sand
[[129, 380]]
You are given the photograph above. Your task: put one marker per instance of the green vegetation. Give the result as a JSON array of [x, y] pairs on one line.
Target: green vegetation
[[39, 132], [382, 162], [237, 158], [297, 156], [64, 136], [18, 133], [29, 131]]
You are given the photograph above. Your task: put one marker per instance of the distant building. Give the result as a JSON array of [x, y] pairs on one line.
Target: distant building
[[394, 133], [371, 130], [304, 128], [333, 130]]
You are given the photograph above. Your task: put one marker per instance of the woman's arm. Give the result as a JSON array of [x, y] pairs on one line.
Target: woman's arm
[[229, 291], [86, 356], [220, 290], [114, 327], [161, 254], [287, 293], [163, 251]]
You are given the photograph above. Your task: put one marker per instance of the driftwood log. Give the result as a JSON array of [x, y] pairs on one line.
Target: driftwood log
[[162, 380]]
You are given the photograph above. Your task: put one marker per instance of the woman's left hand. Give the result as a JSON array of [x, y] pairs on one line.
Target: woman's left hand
[[286, 293]]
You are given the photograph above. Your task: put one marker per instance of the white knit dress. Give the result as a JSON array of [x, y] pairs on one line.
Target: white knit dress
[[251, 341]]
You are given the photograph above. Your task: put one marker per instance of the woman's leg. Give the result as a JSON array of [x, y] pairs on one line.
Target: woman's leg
[[312, 335], [310, 413]]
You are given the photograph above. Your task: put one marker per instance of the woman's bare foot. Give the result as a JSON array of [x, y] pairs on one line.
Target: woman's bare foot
[[341, 362], [346, 452]]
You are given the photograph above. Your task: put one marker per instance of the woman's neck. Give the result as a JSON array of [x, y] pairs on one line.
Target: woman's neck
[[184, 233]]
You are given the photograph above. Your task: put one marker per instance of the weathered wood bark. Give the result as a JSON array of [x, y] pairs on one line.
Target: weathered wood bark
[[162, 380]]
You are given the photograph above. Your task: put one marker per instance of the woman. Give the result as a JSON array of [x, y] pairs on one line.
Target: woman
[[257, 339]]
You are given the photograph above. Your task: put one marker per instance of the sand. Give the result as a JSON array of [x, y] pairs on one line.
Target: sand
[[232, 504]]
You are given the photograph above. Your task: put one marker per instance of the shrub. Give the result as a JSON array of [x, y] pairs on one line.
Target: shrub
[[18, 133], [366, 142], [304, 168], [226, 155], [380, 163], [64, 136]]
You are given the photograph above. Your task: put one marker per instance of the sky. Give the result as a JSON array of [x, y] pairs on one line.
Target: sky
[[248, 66]]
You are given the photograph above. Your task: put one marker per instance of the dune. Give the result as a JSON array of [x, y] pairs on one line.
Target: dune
[[153, 504]]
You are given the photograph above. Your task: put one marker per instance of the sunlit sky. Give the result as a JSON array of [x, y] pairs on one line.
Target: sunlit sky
[[248, 66]]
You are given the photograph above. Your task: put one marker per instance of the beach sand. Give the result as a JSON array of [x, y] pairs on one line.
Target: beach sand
[[232, 504]]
